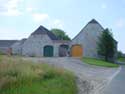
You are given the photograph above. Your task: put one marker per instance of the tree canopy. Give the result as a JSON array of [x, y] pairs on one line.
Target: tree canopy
[[60, 34], [107, 45]]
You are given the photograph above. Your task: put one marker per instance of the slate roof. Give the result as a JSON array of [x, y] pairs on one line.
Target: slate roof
[[94, 21], [7, 43], [43, 30], [22, 41]]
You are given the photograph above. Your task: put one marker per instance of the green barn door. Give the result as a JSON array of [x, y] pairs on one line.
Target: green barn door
[[48, 51]]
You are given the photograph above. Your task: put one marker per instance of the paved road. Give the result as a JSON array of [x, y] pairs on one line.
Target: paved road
[[117, 86], [78, 67], [90, 79]]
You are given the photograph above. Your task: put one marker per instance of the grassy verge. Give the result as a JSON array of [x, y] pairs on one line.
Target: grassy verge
[[98, 62], [121, 59], [22, 77]]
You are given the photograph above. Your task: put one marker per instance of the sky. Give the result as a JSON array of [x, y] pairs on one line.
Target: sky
[[19, 18]]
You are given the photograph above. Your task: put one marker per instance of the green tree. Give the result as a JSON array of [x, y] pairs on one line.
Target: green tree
[[119, 54], [107, 45], [60, 34]]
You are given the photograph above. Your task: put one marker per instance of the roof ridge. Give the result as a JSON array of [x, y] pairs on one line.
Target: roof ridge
[[42, 30], [94, 21]]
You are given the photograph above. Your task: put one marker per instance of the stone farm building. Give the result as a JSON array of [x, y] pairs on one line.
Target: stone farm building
[[5, 45], [43, 42]]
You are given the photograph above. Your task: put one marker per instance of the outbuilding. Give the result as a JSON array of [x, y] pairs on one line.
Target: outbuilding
[[41, 42]]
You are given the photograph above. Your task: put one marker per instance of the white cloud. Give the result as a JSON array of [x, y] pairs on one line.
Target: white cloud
[[57, 24], [11, 13], [104, 6], [10, 7], [29, 9], [10, 33], [120, 23], [40, 17]]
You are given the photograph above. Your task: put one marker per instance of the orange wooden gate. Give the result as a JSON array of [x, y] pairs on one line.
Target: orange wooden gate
[[76, 51]]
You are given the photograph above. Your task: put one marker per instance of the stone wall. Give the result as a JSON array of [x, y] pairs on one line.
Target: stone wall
[[88, 38], [34, 45], [17, 48]]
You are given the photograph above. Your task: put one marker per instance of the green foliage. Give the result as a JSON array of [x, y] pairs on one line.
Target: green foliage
[[122, 59], [98, 62], [119, 54], [60, 34], [107, 45], [23, 77]]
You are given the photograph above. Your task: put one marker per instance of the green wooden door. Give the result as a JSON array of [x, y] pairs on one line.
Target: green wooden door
[[48, 51]]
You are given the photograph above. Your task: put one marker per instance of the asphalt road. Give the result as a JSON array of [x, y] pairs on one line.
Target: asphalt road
[[117, 85], [90, 79]]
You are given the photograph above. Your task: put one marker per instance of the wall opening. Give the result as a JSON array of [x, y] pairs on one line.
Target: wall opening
[[63, 50]]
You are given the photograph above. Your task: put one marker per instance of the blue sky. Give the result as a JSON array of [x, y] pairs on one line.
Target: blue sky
[[19, 18]]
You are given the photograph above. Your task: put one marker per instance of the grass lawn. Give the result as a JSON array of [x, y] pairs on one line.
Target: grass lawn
[[121, 59], [24, 77], [98, 62]]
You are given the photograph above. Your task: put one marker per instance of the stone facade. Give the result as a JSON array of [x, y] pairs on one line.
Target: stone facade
[[88, 38], [34, 45], [17, 47]]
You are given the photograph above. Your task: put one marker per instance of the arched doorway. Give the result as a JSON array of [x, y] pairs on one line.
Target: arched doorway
[[63, 50], [48, 51], [76, 51]]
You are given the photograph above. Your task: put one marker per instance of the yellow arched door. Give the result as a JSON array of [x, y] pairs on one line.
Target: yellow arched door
[[76, 51]]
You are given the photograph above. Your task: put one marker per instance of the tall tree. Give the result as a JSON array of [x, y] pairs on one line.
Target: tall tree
[[119, 54], [60, 34], [107, 45]]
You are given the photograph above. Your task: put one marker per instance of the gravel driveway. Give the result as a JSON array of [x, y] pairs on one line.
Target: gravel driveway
[[90, 79]]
